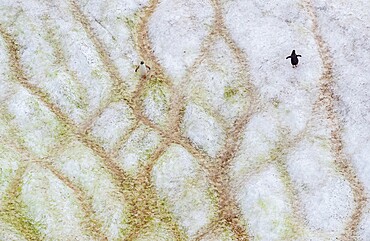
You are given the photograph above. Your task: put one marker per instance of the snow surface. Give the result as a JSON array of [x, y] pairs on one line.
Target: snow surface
[[177, 29], [112, 124], [203, 129], [326, 197], [283, 175], [265, 201]]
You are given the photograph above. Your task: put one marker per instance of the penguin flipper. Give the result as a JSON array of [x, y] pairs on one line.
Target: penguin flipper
[[147, 67], [137, 68], [299, 55], [288, 57]]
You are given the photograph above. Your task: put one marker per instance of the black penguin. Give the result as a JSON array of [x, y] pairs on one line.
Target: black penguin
[[294, 58]]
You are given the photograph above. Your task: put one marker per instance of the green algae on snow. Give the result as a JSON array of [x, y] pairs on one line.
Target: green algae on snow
[[230, 92], [13, 210]]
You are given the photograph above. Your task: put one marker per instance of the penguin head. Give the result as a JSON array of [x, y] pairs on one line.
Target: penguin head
[[142, 62], [293, 51]]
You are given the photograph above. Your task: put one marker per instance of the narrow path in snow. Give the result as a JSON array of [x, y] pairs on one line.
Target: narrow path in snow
[[327, 99]]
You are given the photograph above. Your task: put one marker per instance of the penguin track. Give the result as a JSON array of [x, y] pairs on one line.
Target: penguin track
[[146, 202], [144, 178], [218, 173], [327, 99]]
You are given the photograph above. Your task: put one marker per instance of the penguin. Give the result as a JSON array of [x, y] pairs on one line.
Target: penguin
[[294, 58], [143, 69]]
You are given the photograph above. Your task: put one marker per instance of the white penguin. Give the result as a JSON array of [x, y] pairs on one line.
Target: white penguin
[[143, 69]]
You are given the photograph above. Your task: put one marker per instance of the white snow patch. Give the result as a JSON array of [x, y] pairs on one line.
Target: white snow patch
[[217, 82], [112, 124], [8, 10], [138, 148], [259, 139], [271, 36], [178, 179], [176, 30], [203, 129], [263, 201], [325, 194], [37, 125]]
